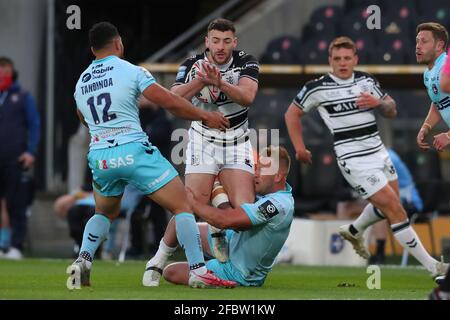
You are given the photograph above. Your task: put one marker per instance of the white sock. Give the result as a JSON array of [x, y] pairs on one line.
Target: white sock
[[409, 240], [163, 253], [368, 217], [199, 271]]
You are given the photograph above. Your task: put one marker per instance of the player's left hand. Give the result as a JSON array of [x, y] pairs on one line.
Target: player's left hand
[[27, 159], [365, 100], [441, 141]]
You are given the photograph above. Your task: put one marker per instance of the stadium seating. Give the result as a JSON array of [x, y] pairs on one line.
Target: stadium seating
[[394, 42], [315, 51], [282, 50]]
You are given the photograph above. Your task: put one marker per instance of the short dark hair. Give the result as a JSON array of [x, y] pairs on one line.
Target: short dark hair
[[438, 30], [5, 61], [342, 42], [101, 34], [221, 24]]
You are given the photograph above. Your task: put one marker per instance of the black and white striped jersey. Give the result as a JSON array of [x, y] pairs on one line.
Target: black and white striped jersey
[[355, 130], [240, 65]]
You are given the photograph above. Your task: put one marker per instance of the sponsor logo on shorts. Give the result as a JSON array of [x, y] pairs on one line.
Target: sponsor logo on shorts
[[361, 191], [159, 179], [114, 163]]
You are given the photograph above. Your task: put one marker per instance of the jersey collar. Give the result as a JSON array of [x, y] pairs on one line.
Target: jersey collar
[[105, 59], [341, 81]]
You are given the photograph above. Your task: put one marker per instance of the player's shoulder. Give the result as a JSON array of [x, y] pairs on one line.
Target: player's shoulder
[[193, 59], [280, 202], [362, 75], [85, 76], [321, 81], [242, 57]]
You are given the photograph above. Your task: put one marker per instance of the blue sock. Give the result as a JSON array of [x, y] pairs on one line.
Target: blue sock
[[5, 238], [109, 244], [95, 232], [189, 238]]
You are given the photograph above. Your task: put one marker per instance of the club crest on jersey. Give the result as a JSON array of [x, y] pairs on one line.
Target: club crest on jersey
[[114, 163], [268, 209]]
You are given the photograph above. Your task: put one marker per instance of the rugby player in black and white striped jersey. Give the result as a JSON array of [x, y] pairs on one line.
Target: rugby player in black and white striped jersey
[[347, 101], [210, 152]]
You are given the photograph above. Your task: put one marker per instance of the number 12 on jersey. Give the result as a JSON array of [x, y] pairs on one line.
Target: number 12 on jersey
[[106, 97]]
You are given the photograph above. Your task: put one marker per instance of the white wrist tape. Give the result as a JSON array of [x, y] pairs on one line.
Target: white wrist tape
[[219, 199]]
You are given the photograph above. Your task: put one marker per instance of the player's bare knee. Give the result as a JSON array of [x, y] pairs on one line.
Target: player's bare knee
[[168, 273]]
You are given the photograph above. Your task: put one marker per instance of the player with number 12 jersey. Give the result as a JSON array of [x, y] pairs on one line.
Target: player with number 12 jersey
[[107, 94]]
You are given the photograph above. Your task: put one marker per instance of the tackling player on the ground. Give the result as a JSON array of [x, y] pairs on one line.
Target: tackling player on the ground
[[210, 152], [347, 100], [256, 231], [120, 153]]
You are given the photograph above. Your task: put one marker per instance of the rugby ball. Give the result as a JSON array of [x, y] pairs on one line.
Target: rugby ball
[[209, 94]]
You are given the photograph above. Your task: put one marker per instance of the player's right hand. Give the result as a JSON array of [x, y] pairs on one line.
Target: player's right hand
[[423, 145], [216, 120], [304, 156]]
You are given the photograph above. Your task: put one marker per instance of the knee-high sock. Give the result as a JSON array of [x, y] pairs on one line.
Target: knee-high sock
[[5, 238], [409, 240], [368, 217], [95, 232], [188, 237]]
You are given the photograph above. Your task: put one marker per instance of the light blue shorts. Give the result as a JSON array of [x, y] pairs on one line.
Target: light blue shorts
[[136, 163], [226, 270]]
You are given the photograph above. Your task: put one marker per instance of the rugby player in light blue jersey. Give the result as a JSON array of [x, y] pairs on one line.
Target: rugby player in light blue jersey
[[120, 153], [442, 292], [431, 44], [256, 231]]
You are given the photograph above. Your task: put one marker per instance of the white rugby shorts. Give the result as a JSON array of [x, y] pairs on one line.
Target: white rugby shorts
[[206, 156], [368, 174]]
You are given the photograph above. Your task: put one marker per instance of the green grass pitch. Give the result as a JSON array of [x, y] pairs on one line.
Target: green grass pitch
[[46, 279]]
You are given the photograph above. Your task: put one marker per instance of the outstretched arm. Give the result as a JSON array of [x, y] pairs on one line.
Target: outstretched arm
[[182, 108]]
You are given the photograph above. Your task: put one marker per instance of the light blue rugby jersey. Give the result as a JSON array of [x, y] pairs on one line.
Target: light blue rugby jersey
[[107, 95], [431, 81], [253, 251]]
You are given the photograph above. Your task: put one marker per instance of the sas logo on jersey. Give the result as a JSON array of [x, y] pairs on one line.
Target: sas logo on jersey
[[114, 163], [86, 77], [268, 209]]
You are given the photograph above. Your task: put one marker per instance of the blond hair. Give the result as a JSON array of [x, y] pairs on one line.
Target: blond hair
[[281, 153], [341, 42]]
